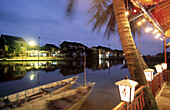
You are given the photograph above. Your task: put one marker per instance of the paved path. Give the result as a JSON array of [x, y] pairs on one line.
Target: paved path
[[163, 97]]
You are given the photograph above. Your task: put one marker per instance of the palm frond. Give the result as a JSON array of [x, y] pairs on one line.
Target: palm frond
[[70, 6], [103, 15]]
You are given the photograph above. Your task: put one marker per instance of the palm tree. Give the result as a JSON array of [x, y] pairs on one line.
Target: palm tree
[[131, 53], [105, 14]]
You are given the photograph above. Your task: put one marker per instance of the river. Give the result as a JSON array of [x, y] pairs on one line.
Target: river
[[20, 75]]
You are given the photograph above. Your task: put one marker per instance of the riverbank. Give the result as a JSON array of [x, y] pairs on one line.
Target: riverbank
[[40, 59]]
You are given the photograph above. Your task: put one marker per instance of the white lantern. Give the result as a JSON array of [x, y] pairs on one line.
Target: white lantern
[[127, 89], [164, 66], [158, 68], [149, 74]]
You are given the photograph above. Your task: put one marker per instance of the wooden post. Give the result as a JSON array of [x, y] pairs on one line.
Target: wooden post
[[153, 91]]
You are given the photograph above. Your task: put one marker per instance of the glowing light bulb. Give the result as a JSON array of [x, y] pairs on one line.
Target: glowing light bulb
[[150, 29], [139, 23], [161, 39], [147, 29], [143, 20], [155, 31], [157, 35], [134, 10], [126, 13]]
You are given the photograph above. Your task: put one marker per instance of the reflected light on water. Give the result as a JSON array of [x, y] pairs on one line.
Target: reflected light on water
[[32, 77]]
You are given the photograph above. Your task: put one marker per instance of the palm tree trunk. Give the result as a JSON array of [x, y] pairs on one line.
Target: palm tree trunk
[[131, 53]]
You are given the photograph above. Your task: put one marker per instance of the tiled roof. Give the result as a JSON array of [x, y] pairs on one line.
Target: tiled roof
[[8, 37], [73, 43]]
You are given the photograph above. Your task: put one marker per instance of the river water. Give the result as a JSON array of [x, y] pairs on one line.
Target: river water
[[18, 76]]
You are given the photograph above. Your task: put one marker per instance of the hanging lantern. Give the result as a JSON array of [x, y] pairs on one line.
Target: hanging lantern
[[164, 66], [149, 74], [127, 89], [158, 68], [150, 2]]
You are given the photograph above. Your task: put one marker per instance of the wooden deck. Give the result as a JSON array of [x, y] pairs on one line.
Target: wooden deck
[[163, 97]]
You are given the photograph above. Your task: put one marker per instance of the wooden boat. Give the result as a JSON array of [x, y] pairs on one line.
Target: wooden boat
[[37, 92], [71, 99]]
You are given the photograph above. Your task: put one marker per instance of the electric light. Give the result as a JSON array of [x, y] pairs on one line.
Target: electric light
[[143, 20], [32, 43], [164, 66], [161, 39], [126, 13], [126, 89], [157, 35], [149, 74], [150, 28], [139, 23], [158, 68], [134, 10], [147, 29]]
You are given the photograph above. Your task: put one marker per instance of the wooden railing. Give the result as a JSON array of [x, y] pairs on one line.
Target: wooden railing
[[138, 102], [157, 82]]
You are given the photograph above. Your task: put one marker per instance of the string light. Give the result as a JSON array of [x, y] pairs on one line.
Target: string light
[[139, 23], [147, 29], [157, 35], [143, 20], [126, 13], [161, 39], [134, 10]]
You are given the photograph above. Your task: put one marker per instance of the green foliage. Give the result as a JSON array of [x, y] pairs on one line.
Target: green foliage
[[13, 48]]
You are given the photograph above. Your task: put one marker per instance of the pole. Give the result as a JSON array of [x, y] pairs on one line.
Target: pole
[[165, 49], [85, 70], [38, 47], [165, 57]]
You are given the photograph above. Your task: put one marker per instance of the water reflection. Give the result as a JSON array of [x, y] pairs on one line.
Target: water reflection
[[17, 70], [18, 76], [11, 72]]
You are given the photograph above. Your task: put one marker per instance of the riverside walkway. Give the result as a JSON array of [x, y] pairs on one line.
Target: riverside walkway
[[163, 97]]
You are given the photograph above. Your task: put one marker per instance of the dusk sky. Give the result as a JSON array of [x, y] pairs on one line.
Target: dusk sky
[[48, 20]]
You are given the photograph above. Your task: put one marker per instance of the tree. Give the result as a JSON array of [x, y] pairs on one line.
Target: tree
[[103, 15], [13, 48], [132, 55]]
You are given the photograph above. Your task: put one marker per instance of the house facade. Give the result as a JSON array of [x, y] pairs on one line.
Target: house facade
[[73, 49], [48, 50], [13, 46], [105, 52], [53, 50]]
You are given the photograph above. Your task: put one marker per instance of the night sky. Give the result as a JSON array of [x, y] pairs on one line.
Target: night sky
[[48, 20]]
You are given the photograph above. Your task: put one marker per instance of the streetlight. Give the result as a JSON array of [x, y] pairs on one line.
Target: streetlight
[[32, 43]]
